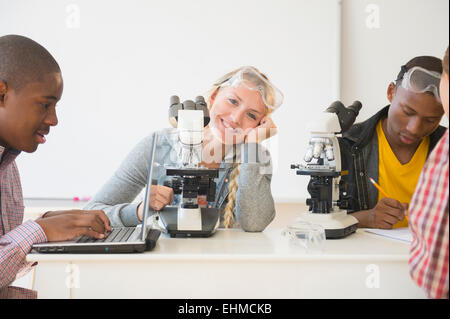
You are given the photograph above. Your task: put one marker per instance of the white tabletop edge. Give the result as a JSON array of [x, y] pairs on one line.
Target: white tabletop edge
[[210, 257]]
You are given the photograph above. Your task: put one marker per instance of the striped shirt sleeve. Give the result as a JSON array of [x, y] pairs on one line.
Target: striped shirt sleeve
[[429, 224], [14, 246]]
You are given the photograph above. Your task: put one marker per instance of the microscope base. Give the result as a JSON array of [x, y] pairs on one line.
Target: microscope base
[[205, 224], [337, 224]]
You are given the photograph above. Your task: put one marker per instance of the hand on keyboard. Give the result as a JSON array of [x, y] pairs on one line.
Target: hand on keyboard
[[66, 225]]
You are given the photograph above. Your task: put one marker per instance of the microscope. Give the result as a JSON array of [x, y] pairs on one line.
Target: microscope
[[322, 162], [196, 185]]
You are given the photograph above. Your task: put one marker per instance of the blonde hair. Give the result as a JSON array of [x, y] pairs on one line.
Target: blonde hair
[[233, 185]]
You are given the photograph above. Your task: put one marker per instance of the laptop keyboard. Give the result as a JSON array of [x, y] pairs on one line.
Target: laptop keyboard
[[119, 234]]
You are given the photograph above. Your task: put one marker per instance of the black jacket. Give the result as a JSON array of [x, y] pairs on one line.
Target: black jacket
[[359, 155]]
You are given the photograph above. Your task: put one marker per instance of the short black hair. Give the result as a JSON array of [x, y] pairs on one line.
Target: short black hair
[[24, 61], [429, 63]]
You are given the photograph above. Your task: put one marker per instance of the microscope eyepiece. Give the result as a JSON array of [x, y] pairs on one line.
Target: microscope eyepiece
[[201, 105], [346, 115], [174, 99], [356, 107], [200, 100], [188, 105]]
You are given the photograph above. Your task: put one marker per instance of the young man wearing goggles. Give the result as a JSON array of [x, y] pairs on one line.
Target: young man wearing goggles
[[392, 146]]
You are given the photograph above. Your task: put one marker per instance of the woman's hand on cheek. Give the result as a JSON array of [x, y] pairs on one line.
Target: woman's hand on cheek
[[265, 130]]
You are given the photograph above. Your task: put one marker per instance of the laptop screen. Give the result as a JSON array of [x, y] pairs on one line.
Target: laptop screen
[[148, 187]]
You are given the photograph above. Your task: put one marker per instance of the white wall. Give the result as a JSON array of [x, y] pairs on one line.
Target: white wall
[[122, 60], [372, 53]]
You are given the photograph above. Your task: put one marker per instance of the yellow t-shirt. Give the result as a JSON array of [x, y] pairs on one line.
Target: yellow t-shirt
[[397, 180]]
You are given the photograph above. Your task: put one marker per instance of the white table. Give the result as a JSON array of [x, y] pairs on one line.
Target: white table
[[234, 264]]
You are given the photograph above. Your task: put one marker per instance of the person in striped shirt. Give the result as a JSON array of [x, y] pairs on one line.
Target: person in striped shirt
[[428, 262], [30, 86]]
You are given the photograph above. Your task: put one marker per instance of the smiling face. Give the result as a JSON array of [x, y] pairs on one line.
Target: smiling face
[[235, 111], [412, 116], [27, 115]]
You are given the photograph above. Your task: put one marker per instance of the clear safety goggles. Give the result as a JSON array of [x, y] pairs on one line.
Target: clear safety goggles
[[420, 80], [253, 80]]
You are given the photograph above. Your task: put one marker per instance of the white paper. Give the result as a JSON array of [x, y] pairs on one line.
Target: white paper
[[403, 234]]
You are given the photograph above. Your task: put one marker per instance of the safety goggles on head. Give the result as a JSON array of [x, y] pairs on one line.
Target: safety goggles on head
[[253, 80], [420, 80]]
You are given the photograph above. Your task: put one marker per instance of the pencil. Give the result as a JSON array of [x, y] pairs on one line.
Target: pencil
[[379, 187], [385, 194]]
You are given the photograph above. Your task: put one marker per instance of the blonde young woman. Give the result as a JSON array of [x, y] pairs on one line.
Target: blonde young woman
[[240, 105]]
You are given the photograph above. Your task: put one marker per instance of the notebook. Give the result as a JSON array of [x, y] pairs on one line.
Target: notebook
[[402, 234]]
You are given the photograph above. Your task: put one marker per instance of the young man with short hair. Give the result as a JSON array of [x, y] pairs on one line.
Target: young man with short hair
[[30, 86], [392, 146]]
